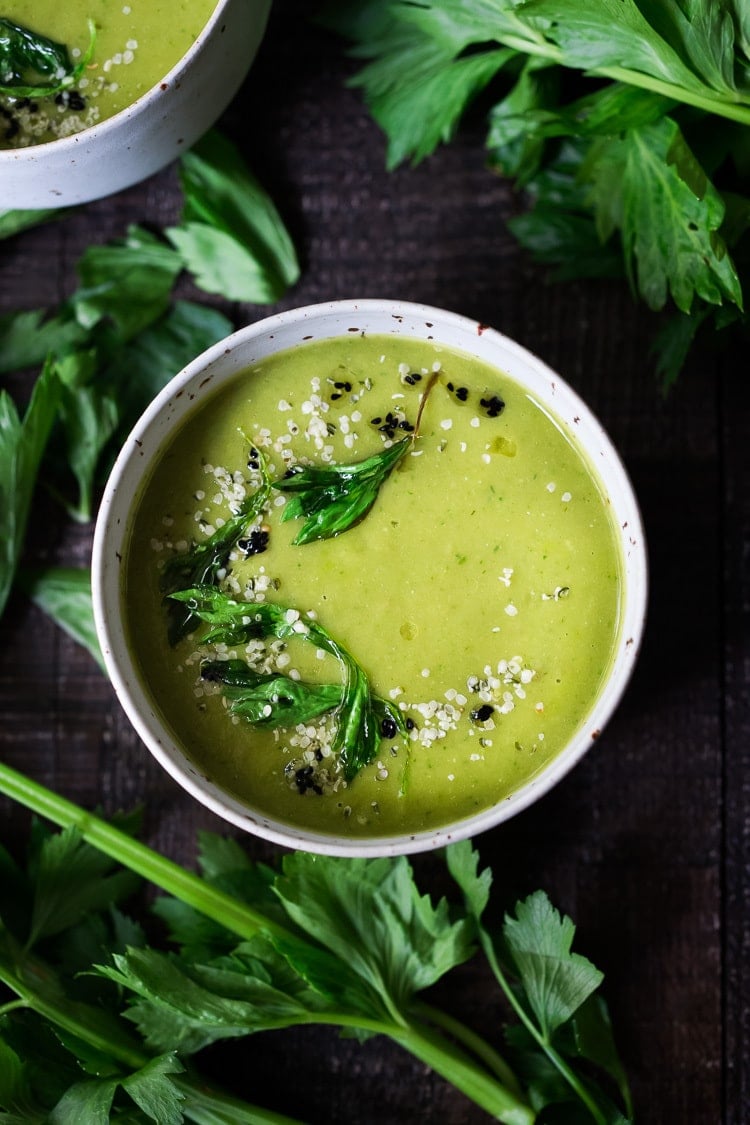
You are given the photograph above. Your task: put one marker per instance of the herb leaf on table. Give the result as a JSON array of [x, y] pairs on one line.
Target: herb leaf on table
[[64, 593], [231, 238], [22, 446], [348, 942], [13, 222], [549, 987]]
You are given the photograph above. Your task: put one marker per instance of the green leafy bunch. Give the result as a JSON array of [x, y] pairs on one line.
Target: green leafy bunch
[[349, 943], [642, 172], [66, 1052], [119, 338]]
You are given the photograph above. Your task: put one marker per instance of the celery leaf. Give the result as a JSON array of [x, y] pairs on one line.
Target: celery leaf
[[555, 980], [371, 915]]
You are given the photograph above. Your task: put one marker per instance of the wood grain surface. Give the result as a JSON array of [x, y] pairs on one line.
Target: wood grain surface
[[647, 843]]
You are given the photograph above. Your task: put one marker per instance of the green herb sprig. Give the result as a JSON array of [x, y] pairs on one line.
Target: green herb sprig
[[202, 563], [333, 498], [643, 177], [338, 942], [360, 713], [26, 56], [270, 699]]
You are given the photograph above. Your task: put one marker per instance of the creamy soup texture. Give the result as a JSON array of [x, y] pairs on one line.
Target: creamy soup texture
[[481, 593], [137, 43]]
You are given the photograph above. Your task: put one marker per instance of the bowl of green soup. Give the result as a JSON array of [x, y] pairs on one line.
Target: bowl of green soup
[[368, 577], [96, 95]]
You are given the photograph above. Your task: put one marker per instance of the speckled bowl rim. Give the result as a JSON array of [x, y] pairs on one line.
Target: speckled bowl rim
[[199, 380], [113, 123]]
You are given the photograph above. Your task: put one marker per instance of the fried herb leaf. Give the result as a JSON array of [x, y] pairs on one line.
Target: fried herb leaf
[[333, 498], [201, 564], [360, 714], [27, 58], [270, 699]]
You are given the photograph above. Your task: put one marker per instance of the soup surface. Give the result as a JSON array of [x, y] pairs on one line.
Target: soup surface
[[137, 43], [480, 593]]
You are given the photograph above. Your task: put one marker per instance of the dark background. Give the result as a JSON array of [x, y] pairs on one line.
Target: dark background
[[646, 843]]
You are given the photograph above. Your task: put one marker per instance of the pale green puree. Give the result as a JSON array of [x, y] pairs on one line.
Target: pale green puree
[[486, 580], [137, 44]]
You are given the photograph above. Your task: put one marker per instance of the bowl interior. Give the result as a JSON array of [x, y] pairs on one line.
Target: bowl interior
[[241, 351]]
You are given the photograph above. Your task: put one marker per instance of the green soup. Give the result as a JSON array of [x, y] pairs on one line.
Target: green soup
[[481, 593], [137, 43]]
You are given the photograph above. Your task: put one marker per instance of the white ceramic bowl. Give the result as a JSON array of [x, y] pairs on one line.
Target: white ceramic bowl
[[244, 349], [148, 134]]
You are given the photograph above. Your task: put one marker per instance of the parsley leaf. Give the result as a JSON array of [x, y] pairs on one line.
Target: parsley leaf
[[555, 980], [669, 214], [553, 985]]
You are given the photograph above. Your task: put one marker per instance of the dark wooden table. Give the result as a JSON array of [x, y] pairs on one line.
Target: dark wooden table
[[647, 843]]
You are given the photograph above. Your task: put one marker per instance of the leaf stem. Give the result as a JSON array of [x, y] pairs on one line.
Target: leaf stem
[[475, 1043], [555, 1058], [448, 1060], [733, 111], [202, 1102], [170, 877], [67, 1017], [452, 1064], [12, 1006]]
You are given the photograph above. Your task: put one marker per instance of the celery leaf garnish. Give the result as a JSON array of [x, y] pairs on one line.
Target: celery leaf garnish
[[202, 563], [333, 498], [270, 699], [360, 713], [27, 59]]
